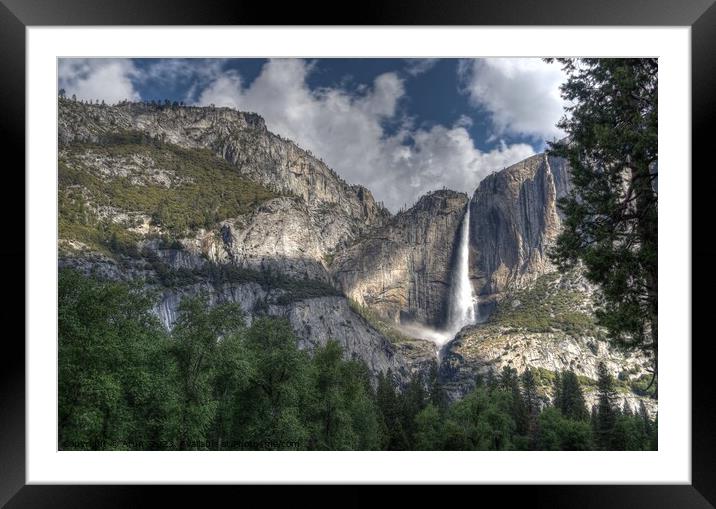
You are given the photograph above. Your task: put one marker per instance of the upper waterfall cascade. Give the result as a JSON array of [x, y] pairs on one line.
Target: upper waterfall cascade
[[462, 304]]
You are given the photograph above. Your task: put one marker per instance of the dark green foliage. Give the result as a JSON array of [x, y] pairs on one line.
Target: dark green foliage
[[271, 411], [114, 382], [414, 399], [429, 424], [214, 383], [532, 406], [510, 383], [481, 421], [560, 433], [557, 390], [437, 395], [196, 351], [343, 408], [611, 216], [606, 410], [571, 399], [391, 411]]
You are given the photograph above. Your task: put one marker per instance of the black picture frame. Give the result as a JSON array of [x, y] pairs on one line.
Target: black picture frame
[[700, 15]]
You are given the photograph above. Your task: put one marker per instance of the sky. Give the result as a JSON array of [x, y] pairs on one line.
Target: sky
[[401, 127]]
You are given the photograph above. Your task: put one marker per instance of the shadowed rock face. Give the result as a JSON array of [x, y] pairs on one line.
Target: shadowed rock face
[[283, 235], [315, 322], [402, 270], [514, 221]]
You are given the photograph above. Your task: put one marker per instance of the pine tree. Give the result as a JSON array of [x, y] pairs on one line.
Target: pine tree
[[627, 409], [532, 406], [413, 400], [437, 394], [606, 410], [330, 418], [594, 420], [611, 215], [646, 422], [509, 382], [491, 381], [394, 438], [557, 390], [654, 435], [508, 378], [572, 402]]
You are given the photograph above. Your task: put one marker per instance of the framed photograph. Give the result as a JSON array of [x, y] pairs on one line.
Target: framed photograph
[[422, 247]]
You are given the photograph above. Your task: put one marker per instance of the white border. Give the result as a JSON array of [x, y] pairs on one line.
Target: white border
[[670, 464]]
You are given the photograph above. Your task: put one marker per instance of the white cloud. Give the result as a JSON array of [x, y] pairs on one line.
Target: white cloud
[[521, 94], [98, 79], [439, 157], [418, 66], [346, 131]]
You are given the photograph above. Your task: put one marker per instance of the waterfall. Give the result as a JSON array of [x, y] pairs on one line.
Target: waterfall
[[462, 302]]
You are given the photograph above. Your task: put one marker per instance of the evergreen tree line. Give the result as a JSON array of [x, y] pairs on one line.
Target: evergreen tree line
[[215, 382], [153, 104]]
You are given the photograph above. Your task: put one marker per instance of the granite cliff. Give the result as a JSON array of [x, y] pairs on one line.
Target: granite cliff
[[515, 220]]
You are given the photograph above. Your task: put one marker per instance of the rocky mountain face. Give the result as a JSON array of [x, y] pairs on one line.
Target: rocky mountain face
[[402, 269], [514, 220], [238, 137]]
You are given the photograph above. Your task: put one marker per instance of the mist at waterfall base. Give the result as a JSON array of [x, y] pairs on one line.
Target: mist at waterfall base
[[462, 303]]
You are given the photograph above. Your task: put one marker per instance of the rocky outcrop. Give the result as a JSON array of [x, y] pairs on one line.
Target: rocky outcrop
[[484, 348], [514, 220], [402, 270], [282, 235]]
